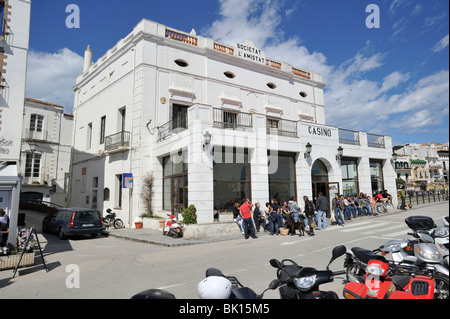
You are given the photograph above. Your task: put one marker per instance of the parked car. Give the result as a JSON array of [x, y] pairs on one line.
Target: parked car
[[73, 221]]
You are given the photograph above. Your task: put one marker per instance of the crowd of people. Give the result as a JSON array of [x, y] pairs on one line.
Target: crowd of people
[[286, 217]]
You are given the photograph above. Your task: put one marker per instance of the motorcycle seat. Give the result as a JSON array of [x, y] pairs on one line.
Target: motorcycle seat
[[366, 255]]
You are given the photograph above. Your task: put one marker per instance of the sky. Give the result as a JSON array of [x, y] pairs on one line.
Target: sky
[[392, 79]]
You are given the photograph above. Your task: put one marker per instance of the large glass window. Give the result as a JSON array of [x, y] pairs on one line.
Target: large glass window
[[231, 177], [376, 176], [349, 169], [175, 182], [282, 183]]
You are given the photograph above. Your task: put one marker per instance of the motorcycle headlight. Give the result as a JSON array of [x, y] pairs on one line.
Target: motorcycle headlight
[[434, 255], [305, 283], [441, 232], [392, 248]]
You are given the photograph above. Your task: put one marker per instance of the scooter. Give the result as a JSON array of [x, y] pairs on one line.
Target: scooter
[[110, 220], [387, 281], [232, 290], [172, 228], [303, 282]]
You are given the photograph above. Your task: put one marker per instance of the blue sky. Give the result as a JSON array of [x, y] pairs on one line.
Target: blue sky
[[393, 80]]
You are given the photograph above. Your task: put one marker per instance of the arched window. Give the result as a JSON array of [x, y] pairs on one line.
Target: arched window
[[106, 194]]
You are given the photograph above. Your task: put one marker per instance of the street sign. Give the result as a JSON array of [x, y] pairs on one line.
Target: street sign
[[127, 181]]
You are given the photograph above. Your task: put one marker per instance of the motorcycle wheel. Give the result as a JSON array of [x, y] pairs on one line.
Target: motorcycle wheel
[[441, 287], [118, 223], [354, 273]]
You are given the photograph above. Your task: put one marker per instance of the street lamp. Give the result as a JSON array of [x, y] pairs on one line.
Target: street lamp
[[340, 153], [206, 140], [308, 150]]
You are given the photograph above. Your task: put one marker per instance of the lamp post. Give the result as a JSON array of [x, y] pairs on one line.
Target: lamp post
[[206, 140], [340, 154], [308, 150]]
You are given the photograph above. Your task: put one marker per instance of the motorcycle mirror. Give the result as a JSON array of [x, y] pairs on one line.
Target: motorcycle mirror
[[276, 263], [336, 253], [274, 284], [213, 272]]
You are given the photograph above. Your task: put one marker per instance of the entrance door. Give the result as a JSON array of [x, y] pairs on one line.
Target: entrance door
[[4, 201], [179, 195]]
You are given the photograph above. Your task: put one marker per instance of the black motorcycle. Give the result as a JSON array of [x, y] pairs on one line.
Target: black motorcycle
[[299, 282], [238, 290], [110, 220]]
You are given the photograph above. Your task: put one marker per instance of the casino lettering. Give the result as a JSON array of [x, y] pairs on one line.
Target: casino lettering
[[319, 131]]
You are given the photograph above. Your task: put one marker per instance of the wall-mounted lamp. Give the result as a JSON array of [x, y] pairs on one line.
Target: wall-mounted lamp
[[340, 154], [206, 140], [308, 150], [394, 158], [33, 146]]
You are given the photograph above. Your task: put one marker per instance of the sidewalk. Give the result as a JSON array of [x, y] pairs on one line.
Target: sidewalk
[[155, 237]]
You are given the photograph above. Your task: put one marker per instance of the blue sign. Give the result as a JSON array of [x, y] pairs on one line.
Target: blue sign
[[127, 180]]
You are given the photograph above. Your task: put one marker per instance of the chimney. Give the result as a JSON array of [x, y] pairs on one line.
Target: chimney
[[87, 59]]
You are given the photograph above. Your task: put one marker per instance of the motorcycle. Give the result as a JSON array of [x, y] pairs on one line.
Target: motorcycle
[[426, 261], [214, 286], [303, 282], [421, 251], [110, 220], [388, 281], [172, 228]]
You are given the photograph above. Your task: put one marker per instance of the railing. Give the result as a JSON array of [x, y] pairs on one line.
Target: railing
[[301, 73], [117, 141], [228, 119], [349, 137], [273, 64], [282, 127], [170, 34], [375, 141], [223, 48], [36, 136], [174, 126]]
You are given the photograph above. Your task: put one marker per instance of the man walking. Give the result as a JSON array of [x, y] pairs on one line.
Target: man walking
[[246, 213], [322, 208], [402, 197]]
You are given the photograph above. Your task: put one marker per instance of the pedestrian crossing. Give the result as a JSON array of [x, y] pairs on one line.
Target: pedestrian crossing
[[388, 230]]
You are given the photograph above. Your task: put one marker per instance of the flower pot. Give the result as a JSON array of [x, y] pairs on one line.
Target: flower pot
[[139, 225], [10, 262]]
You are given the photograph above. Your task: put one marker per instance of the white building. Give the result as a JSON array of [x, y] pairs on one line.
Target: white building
[[14, 36], [46, 151], [212, 123]]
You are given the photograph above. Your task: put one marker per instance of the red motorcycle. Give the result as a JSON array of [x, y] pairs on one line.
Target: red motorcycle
[[384, 281]]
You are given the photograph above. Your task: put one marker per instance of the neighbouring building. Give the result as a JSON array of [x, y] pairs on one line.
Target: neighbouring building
[[212, 123], [14, 38], [46, 151], [423, 166]]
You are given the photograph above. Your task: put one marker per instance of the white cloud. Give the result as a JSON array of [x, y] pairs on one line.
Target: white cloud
[[441, 45], [51, 76], [353, 100]]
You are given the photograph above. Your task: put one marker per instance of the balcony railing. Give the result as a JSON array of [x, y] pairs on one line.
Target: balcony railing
[[117, 141], [36, 135], [282, 127], [228, 119], [375, 141], [349, 137], [172, 127]]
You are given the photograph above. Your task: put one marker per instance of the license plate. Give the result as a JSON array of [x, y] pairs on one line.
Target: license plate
[[88, 225]]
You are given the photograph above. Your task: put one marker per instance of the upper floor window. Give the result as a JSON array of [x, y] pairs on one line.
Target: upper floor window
[[33, 165], [36, 122], [102, 129]]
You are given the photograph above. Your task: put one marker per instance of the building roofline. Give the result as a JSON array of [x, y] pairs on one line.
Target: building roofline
[[43, 102]]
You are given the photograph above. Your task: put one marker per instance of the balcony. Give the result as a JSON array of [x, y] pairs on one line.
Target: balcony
[[174, 126], [376, 141], [119, 142], [349, 137], [282, 127], [234, 120], [34, 135]]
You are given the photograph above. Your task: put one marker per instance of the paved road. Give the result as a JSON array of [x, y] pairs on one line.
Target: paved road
[[115, 268]]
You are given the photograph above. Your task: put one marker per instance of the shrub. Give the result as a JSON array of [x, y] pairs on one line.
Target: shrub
[[189, 215]]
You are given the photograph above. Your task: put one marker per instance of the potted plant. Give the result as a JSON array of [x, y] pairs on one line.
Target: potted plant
[[9, 256]]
